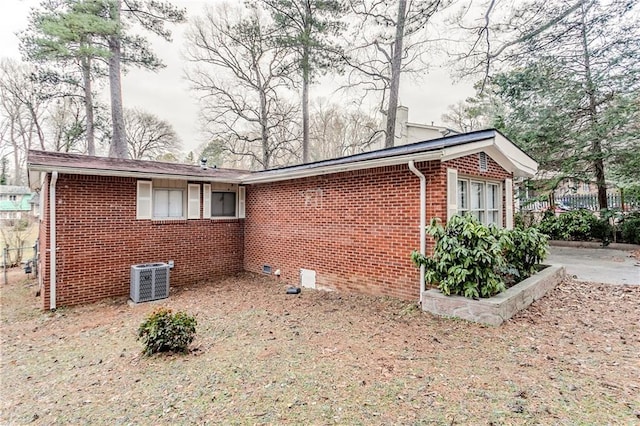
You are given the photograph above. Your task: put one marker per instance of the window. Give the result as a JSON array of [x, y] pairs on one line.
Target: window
[[493, 203], [223, 204], [480, 199], [161, 199], [223, 200], [463, 197], [167, 203]]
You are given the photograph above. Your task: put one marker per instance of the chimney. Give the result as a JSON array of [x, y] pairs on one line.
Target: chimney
[[203, 163], [402, 118]]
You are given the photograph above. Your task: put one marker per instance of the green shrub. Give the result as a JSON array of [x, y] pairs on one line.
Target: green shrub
[[523, 250], [163, 331], [630, 228], [475, 260], [524, 220], [573, 225], [467, 259]]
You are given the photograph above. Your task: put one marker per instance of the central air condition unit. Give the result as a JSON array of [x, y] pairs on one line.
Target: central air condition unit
[[149, 281]]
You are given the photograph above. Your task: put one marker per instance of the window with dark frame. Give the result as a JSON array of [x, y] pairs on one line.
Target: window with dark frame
[[223, 204]]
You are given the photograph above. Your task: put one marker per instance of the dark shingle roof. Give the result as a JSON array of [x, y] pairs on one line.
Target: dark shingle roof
[[64, 162]]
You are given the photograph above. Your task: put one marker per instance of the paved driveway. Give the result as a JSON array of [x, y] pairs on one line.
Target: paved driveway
[[602, 265]]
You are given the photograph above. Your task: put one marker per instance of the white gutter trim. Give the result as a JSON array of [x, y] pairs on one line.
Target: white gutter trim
[[423, 221], [121, 173], [337, 168], [52, 240]]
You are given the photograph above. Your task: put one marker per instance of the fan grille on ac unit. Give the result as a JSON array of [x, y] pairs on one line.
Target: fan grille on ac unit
[[149, 281]]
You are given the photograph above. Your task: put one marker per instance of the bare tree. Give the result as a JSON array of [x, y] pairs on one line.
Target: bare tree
[[66, 123], [306, 28], [391, 39], [474, 113], [337, 131], [21, 111], [240, 74], [149, 137]]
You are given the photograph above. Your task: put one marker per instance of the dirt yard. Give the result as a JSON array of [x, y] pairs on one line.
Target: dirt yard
[[264, 357]]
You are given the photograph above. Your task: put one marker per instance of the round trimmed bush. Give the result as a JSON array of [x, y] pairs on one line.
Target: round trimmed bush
[[164, 331]]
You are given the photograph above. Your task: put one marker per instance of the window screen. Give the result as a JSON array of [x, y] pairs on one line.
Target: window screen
[[223, 204], [167, 203]]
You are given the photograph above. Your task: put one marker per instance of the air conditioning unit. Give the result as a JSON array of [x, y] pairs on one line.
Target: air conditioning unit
[[149, 281]]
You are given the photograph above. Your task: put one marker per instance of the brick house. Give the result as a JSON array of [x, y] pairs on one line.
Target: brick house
[[346, 224]]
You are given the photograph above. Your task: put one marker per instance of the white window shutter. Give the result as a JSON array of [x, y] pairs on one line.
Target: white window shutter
[[143, 201], [452, 193], [206, 201], [193, 206], [241, 198], [508, 203]]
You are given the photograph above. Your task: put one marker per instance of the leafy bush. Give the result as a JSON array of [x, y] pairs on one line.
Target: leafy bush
[[524, 220], [467, 258], [630, 228], [163, 331], [475, 260], [572, 225], [523, 250]]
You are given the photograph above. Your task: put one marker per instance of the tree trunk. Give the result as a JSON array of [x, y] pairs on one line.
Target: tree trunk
[[118, 147], [88, 105], [264, 121], [305, 108], [306, 75], [396, 63], [17, 176], [596, 142]]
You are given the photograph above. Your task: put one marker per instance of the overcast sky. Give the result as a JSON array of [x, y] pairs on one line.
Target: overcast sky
[[166, 94]]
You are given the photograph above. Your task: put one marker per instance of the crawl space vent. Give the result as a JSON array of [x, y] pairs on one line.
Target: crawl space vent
[[149, 281]]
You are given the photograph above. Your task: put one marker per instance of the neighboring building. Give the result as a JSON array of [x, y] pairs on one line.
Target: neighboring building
[[15, 203], [347, 224], [406, 133]]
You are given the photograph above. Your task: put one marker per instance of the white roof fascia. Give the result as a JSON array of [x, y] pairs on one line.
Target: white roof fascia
[[503, 152], [346, 167], [122, 173], [527, 166]]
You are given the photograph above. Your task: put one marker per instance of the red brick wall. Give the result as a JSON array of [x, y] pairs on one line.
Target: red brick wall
[[99, 238], [355, 229]]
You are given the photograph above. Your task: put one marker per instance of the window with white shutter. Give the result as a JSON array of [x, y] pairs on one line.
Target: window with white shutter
[[193, 204], [241, 201], [206, 201], [143, 202], [508, 203], [452, 193]]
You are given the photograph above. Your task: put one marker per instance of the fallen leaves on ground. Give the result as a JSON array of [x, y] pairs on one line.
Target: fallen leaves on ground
[[264, 357]]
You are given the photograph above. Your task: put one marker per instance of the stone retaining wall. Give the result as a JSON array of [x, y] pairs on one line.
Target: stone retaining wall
[[499, 308]]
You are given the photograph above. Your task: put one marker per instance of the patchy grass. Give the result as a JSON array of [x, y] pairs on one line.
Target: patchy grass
[[264, 357]]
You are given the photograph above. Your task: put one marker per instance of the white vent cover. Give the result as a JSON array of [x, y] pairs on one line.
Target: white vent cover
[[483, 164], [149, 281], [308, 278]]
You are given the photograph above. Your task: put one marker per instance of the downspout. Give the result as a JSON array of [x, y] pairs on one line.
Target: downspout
[[52, 240], [423, 221]]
